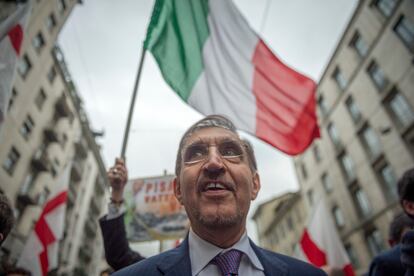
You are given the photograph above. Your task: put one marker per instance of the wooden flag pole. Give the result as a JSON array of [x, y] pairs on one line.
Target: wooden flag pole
[[132, 105]]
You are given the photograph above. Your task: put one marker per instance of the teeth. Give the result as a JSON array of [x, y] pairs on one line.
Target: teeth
[[214, 186]]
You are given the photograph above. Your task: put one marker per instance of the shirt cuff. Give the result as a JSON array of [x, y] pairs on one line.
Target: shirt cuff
[[114, 211]]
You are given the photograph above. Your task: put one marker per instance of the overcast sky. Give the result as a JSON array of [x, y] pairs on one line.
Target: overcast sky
[[102, 42]]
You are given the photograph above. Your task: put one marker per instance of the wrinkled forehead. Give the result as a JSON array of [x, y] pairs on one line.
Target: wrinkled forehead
[[211, 135]]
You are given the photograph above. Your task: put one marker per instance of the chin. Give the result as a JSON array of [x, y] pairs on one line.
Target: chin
[[220, 220]]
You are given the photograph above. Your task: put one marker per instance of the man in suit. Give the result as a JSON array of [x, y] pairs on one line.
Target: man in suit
[[388, 262], [216, 179], [6, 217], [406, 194], [118, 254]]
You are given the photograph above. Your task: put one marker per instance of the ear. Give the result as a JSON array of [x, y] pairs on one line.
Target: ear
[[408, 207], [177, 190], [256, 186]]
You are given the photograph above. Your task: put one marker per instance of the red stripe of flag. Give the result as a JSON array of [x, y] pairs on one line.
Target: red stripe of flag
[[43, 231], [314, 254], [16, 38], [285, 100]]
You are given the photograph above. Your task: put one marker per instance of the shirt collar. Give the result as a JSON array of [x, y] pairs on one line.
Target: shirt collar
[[202, 252]]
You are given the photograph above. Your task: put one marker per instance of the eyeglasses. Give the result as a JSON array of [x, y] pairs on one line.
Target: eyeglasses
[[228, 150]]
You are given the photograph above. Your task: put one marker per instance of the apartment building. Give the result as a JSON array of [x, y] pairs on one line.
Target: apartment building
[[45, 129], [280, 222], [366, 116]]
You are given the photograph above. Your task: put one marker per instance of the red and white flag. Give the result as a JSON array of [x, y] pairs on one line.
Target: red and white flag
[[320, 244], [40, 253], [216, 63], [11, 39]]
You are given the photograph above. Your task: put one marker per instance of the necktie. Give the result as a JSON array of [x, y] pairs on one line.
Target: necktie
[[229, 262]]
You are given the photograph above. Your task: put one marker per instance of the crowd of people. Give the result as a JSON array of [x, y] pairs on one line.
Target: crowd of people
[[216, 180]]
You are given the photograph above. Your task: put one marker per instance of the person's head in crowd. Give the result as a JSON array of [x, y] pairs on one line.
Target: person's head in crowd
[[106, 272], [6, 217], [398, 227], [406, 192], [216, 179], [17, 271]]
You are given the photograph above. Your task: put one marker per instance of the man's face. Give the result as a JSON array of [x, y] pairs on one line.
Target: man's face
[[215, 183]]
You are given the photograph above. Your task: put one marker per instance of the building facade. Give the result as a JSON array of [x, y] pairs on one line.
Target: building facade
[[280, 222], [44, 130], [366, 117]]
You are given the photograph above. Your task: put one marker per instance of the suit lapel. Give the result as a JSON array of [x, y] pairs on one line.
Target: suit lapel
[[272, 265], [177, 262]]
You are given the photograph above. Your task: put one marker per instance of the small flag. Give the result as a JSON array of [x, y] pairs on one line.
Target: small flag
[[217, 64], [40, 253], [11, 39], [320, 244]]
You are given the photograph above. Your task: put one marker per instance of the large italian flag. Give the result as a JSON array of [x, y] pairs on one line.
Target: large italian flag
[[216, 63]]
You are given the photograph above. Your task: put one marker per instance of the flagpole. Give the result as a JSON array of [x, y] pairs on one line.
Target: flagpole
[[132, 105]]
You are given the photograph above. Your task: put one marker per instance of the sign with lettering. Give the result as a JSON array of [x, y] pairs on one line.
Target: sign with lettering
[[153, 212]]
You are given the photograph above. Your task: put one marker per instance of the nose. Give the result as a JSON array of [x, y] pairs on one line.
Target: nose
[[213, 167]]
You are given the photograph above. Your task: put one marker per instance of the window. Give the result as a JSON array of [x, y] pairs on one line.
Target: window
[[326, 182], [400, 110], [389, 181], [405, 31], [27, 127], [317, 153], [310, 196], [27, 183], [12, 98], [386, 7], [347, 166], [377, 76], [359, 45], [303, 170], [289, 223], [338, 216], [352, 255], [64, 140], [11, 160], [52, 74], [340, 78], [51, 22], [24, 66], [362, 202], [353, 110], [371, 142], [43, 196], [38, 42], [40, 99], [333, 134], [322, 106], [375, 242], [61, 4]]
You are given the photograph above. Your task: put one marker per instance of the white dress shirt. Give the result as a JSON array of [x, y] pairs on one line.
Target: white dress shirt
[[202, 252]]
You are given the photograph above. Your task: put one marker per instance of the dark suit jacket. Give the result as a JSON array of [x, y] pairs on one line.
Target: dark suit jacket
[[117, 251], [387, 263], [407, 252], [176, 262]]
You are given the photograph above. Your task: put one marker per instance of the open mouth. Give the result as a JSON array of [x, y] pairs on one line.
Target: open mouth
[[214, 187]]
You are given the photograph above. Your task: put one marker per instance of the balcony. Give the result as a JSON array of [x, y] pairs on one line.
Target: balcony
[[94, 205], [51, 135], [40, 161], [81, 149], [76, 172], [85, 253], [90, 228], [62, 109]]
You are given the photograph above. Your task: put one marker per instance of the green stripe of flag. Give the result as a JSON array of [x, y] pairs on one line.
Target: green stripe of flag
[[176, 35]]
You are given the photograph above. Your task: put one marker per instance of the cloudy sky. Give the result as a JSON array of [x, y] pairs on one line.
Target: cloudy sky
[[102, 42]]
